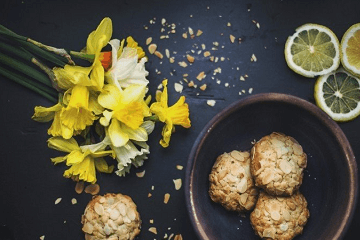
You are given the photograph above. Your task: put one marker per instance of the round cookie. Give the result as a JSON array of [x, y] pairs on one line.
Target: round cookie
[[276, 217], [231, 183], [277, 164], [111, 217]]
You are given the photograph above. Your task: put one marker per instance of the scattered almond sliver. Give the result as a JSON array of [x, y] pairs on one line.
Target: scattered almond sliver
[[153, 230], [152, 48], [57, 201], [177, 183], [166, 198], [140, 174]]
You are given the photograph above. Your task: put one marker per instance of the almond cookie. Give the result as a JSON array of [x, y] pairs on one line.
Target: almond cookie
[[111, 217], [276, 217], [277, 164], [231, 183]]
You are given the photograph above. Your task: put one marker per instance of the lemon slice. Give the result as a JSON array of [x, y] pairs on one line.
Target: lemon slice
[[350, 49], [338, 94], [312, 50]]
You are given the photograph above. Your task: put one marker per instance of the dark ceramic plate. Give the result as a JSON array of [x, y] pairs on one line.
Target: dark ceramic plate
[[330, 180]]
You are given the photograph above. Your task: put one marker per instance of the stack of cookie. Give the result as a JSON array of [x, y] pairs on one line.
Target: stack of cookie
[[267, 181]]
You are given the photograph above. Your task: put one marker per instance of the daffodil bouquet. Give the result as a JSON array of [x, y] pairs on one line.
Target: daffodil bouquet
[[104, 106]]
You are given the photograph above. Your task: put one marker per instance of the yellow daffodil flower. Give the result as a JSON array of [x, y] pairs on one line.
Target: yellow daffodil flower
[[77, 114], [128, 110], [130, 154], [83, 160], [178, 114], [43, 114], [81, 85], [125, 69]]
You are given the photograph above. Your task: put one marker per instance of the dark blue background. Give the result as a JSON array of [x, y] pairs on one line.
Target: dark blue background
[[29, 183]]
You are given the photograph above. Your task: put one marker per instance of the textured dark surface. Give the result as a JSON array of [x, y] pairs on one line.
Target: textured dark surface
[[330, 179], [30, 184]]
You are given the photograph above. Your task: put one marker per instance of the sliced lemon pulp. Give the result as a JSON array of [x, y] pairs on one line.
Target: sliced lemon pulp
[[350, 49], [338, 94], [312, 50]]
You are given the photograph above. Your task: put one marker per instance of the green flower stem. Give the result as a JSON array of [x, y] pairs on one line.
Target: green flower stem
[[153, 118], [84, 56], [22, 67], [24, 42], [59, 51], [16, 51], [28, 84]]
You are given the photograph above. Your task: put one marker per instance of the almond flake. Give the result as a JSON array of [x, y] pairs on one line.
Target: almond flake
[[140, 174], [57, 201], [211, 102], [232, 38], [79, 187], [166, 198], [250, 90], [178, 237], [184, 35], [73, 201], [229, 24], [172, 60], [222, 59], [242, 78], [148, 40], [93, 189], [191, 84], [167, 53], [177, 183], [151, 221], [190, 58], [253, 58], [152, 48], [201, 76], [178, 87], [179, 167], [203, 46], [203, 87], [158, 54], [199, 32], [207, 53], [191, 31], [42, 237], [212, 58], [149, 195], [153, 230], [182, 64], [163, 21]]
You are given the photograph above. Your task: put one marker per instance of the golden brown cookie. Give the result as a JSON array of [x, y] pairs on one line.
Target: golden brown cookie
[[277, 164], [231, 183], [276, 217], [111, 217]]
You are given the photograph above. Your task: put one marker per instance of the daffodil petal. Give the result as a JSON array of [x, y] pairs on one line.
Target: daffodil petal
[[134, 93], [115, 45], [117, 136], [100, 37], [97, 76], [64, 145], [105, 120], [85, 170], [44, 114], [138, 134], [102, 166], [57, 160], [94, 105], [148, 126], [110, 96], [76, 157]]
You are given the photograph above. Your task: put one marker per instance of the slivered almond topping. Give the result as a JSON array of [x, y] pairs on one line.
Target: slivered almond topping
[[199, 32], [203, 87], [172, 60], [158, 54], [152, 48], [207, 53], [166, 198], [153, 230], [140, 174], [93, 189], [148, 40], [178, 237], [184, 35], [232, 38], [191, 31], [190, 58], [178, 183], [182, 64], [191, 84], [201, 76], [179, 167]]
